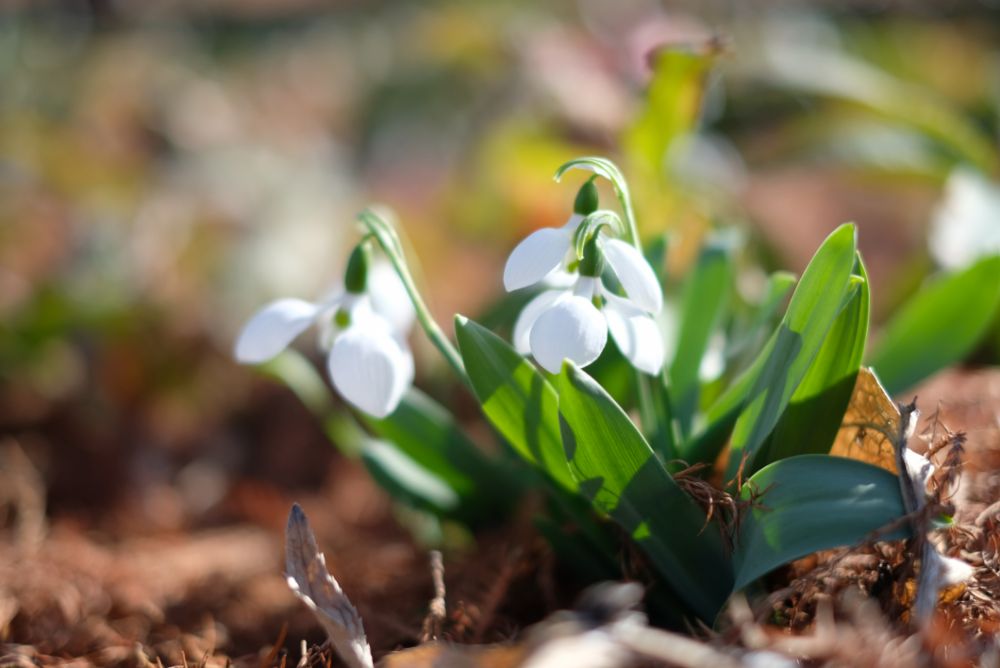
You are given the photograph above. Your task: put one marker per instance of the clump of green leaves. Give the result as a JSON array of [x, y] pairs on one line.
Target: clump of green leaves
[[602, 446]]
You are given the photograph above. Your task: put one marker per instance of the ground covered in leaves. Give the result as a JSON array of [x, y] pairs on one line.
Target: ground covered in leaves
[[95, 582]]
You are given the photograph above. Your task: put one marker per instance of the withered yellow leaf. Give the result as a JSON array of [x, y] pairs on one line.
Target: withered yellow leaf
[[869, 425]]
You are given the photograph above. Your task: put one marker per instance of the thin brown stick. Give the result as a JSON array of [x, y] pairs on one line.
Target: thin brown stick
[[437, 609]]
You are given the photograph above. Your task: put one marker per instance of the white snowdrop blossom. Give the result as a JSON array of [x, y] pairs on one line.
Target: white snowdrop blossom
[[573, 322], [966, 224], [363, 329]]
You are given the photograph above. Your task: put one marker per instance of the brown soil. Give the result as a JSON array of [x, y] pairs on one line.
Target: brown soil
[[116, 584]]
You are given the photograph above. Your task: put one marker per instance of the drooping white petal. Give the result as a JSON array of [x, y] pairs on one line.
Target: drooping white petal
[[571, 329], [272, 328], [529, 314], [370, 369], [636, 333], [536, 256], [389, 297], [635, 274]]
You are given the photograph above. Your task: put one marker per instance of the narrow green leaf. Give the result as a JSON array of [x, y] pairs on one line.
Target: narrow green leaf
[[706, 294], [939, 326], [427, 433], [616, 469], [718, 421], [516, 399], [810, 503], [409, 482], [854, 80], [786, 358], [754, 332], [814, 414]]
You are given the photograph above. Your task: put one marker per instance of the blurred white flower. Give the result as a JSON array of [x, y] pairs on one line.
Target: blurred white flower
[[573, 323], [966, 224], [363, 331]]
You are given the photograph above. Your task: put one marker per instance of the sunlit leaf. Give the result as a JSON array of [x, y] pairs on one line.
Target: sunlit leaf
[[818, 299], [939, 326], [810, 503], [616, 469], [814, 414], [516, 399]]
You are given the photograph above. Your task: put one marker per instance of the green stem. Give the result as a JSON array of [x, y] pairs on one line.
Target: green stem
[[610, 171], [388, 240]]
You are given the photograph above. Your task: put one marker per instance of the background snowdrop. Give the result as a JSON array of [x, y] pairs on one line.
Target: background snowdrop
[[966, 224], [363, 328]]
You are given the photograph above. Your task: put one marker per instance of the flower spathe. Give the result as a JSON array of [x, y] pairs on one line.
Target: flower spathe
[[364, 333]]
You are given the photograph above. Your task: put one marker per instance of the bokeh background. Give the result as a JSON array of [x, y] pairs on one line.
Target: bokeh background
[[166, 167]]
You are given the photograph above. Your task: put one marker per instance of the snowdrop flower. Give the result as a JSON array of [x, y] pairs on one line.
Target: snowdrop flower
[[573, 323], [363, 328], [966, 225]]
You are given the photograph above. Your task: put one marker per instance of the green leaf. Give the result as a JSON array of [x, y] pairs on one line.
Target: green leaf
[[813, 417], [706, 294], [781, 366], [719, 419], [425, 432], [618, 472], [847, 78], [516, 399], [939, 326], [810, 503]]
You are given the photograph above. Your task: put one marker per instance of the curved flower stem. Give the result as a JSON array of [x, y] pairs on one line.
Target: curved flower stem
[[610, 171], [385, 236], [656, 423]]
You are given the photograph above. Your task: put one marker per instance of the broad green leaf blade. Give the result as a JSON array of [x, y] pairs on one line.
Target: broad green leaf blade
[[810, 503], [516, 399], [706, 294], [616, 469], [783, 363], [424, 431], [939, 326], [816, 410]]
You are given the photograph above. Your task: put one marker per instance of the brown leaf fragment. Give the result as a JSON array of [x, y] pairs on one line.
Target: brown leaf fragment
[[310, 580], [870, 424]]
